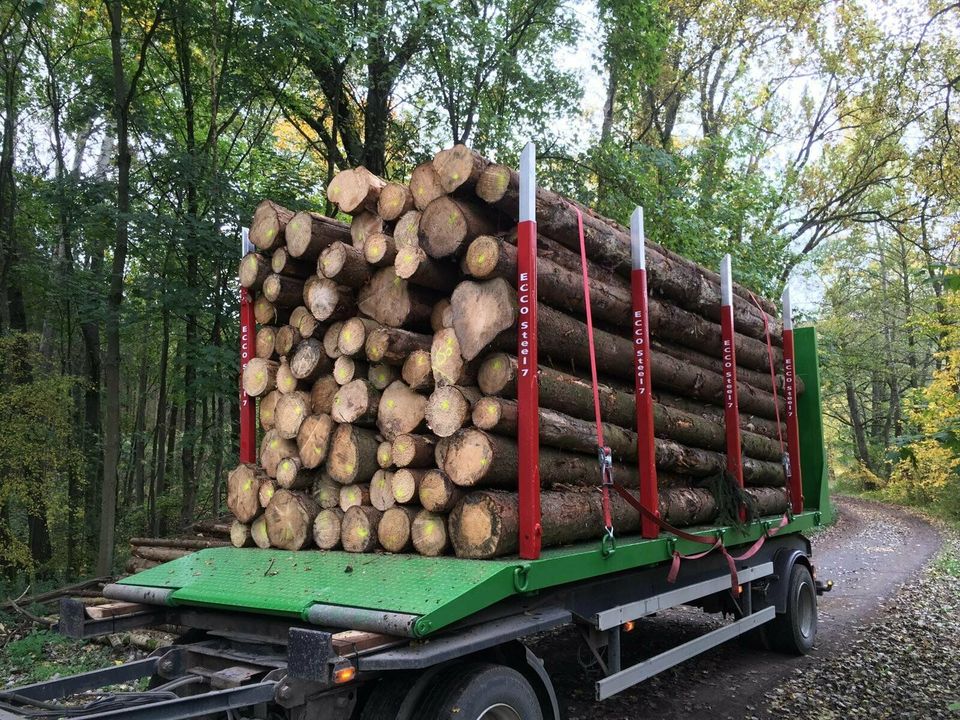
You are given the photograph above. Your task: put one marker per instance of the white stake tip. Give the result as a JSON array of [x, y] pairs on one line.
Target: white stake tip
[[638, 240], [787, 309], [726, 280], [528, 183]]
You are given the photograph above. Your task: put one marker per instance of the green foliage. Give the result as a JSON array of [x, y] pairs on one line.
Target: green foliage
[[44, 654]]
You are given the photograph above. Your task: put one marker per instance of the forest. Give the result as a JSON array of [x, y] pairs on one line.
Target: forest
[[815, 140]]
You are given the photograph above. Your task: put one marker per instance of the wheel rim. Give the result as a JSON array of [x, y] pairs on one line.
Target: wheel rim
[[806, 614], [500, 711]]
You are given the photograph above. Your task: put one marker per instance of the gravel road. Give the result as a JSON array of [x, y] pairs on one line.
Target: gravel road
[[880, 654]]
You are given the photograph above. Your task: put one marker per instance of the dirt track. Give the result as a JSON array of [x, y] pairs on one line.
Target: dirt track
[[871, 552]]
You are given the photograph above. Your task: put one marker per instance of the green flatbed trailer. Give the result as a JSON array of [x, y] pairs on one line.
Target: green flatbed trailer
[[334, 635]]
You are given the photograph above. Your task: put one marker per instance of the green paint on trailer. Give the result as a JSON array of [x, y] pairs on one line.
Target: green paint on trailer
[[813, 454]]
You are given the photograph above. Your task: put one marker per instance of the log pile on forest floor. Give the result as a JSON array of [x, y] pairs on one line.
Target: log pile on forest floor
[[385, 371]]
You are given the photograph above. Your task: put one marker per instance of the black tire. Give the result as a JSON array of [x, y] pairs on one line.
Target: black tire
[[481, 691], [795, 631], [385, 699]]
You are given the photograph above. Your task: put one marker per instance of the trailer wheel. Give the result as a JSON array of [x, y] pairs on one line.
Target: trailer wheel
[[795, 631], [481, 691]]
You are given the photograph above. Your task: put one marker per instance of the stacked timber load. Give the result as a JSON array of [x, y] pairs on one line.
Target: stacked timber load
[[386, 372]]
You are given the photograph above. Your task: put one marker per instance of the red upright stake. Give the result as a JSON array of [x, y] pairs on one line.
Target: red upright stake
[[731, 410], [792, 463], [528, 396], [248, 410], [646, 451]]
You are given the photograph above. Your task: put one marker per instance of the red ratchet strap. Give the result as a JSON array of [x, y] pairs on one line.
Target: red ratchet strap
[[603, 452], [714, 541]]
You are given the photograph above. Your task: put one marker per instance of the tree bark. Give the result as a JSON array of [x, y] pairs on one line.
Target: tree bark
[[309, 233], [352, 456], [415, 265], [344, 264], [409, 450], [447, 226], [392, 345]]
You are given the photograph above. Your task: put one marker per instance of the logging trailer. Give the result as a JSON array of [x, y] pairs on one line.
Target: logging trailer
[[338, 636]]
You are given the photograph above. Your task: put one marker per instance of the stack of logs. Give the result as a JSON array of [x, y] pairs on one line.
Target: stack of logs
[[386, 373]]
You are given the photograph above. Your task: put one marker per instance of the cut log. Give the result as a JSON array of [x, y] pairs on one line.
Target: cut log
[[266, 342], [283, 291], [447, 226], [309, 361], [385, 454], [290, 517], [459, 167], [268, 488], [266, 313], [393, 345], [243, 484], [326, 492], [449, 408], [326, 528], [446, 360], [672, 419], [429, 533], [358, 530], [355, 190], [379, 250], [406, 484], [750, 423], [407, 231], [354, 495], [240, 534], [353, 334], [567, 433], [286, 382], [363, 226], [273, 449], [260, 376], [401, 410], [352, 457], [610, 300], [481, 311], [292, 476], [267, 407], [159, 554], [283, 263], [309, 233], [607, 244], [391, 301], [292, 409], [269, 222], [344, 264], [417, 371], [381, 375], [356, 402], [330, 337], [321, 395], [440, 451], [254, 269], [347, 369], [442, 315], [328, 301], [437, 492], [287, 338], [258, 531], [409, 450], [381, 490], [188, 543], [561, 336], [415, 265], [305, 323], [395, 199], [394, 531], [425, 185]]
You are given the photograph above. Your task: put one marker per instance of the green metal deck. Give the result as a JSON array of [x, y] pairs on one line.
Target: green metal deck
[[441, 591]]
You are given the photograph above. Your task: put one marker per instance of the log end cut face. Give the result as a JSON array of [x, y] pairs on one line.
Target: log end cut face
[[481, 311], [266, 226], [482, 527], [468, 457]]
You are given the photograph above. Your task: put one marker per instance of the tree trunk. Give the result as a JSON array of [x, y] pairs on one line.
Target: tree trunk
[[254, 269], [381, 490], [354, 496], [356, 190], [356, 402], [415, 265], [392, 345], [425, 185], [270, 220], [240, 534], [352, 455], [417, 371], [459, 167], [449, 408], [283, 291], [429, 533], [438, 493], [447, 226], [243, 488], [344, 264], [309, 361], [290, 517], [395, 529], [406, 484], [395, 200], [391, 301], [313, 440], [309, 233], [406, 233], [358, 531], [408, 450], [292, 409], [401, 410], [326, 528], [379, 250]]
